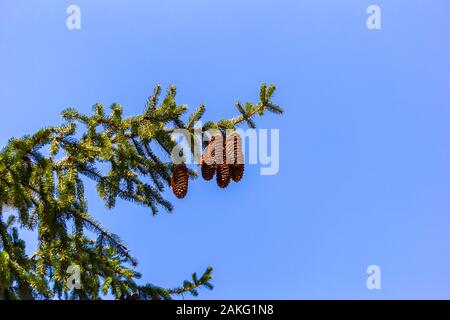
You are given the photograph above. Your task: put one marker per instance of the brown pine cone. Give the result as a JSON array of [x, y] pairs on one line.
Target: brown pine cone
[[235, 157], [237, 172], [180, 179], [223, 175], [208, 171], [223, 169], [207, 161]]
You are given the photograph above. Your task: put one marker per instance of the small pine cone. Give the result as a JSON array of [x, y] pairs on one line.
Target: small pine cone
[[235, 156], [208, 171], [237, 172], [217, 151], [223, 168], [207, 161], [230, 145], [180, 179], [223, 175]]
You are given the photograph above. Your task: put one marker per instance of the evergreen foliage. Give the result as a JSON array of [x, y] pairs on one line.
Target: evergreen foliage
[[42, 180]]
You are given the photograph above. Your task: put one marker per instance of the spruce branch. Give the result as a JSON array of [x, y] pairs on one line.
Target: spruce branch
[[42, 183]]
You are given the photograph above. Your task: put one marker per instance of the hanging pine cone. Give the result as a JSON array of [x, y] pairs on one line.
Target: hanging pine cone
[[208, 171], [223, 169], [235, 157], [207, 161], [223, 175], [180, 179], [237, 172]]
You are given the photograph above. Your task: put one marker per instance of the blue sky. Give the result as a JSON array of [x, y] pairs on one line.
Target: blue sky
[[365, 142]]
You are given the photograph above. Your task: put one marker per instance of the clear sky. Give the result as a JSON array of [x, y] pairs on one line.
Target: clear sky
[[365, 142]]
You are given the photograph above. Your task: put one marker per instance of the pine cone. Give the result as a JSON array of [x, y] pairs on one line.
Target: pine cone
[[180, 179], [223, 175], [223, 169], [208, 171], [207, 161], [237, 172], [235, 157]]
